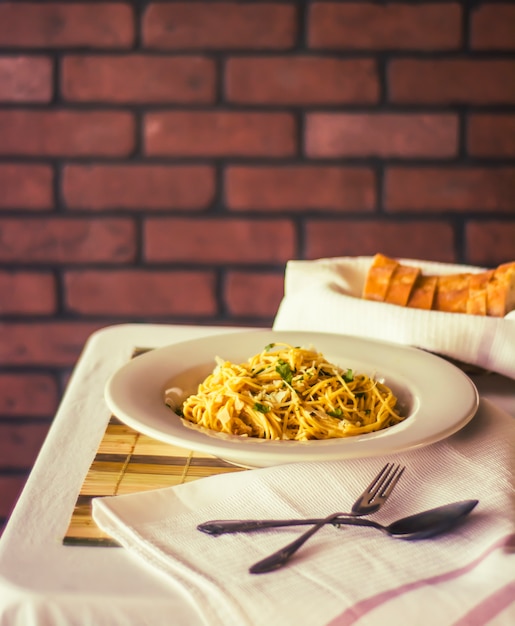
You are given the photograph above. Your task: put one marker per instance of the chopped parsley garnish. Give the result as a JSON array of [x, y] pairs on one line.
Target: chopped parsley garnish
[[269, 347], [262, 408], [348, 377], [336, 413], [284, 370]]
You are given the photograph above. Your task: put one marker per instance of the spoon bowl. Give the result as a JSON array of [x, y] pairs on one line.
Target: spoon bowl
[[425, 524]]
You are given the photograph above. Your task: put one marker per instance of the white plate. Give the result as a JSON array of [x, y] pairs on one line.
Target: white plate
[[437, 397]]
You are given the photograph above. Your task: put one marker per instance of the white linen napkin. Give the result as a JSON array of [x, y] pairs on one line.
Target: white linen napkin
[[325, 295], [343, 576]]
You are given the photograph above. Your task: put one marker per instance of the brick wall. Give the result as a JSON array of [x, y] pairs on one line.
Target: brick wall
[[161, 161]]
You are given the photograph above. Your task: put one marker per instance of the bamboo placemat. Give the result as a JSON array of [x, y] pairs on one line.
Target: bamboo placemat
[[128, 462]]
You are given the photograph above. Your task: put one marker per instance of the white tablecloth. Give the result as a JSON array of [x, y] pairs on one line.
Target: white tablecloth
[[44, 582]]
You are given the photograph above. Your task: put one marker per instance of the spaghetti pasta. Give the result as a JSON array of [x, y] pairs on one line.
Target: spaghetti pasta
[[288, 392]]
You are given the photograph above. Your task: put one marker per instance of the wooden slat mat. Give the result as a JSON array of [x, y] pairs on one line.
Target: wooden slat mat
[[127, 462]]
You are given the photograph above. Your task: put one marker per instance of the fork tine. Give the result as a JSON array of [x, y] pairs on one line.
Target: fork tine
[[389, 484], [376, 494], [378, 482]]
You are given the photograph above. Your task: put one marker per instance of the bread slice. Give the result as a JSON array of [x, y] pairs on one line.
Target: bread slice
[[452, 293], [378, 277], [476, 303], [401, 284], [500, 291], [423, 294]]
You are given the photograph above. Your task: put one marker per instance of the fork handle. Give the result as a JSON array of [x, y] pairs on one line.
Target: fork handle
[[281, 557], [222, 527]]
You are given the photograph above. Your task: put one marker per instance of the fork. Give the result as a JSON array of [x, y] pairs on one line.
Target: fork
[[374, 496], [370, 501]]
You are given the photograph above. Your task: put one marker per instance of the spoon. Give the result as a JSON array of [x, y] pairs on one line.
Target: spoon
[[222, 527], [419, 526]]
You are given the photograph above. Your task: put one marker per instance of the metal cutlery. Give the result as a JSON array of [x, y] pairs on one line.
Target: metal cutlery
[[370, 501], [419, 526]]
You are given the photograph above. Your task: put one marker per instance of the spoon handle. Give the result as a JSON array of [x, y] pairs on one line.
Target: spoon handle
[[221, 527]]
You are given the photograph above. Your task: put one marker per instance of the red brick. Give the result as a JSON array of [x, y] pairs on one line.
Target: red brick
[[62, 240], [301, 80], [489, 243], [20, 444], [28, 395], [493, 26], [219, 25], [138, 78], [300, 188], [368, 25], [419, 240], [253, 295], [26, 186], [491, 135], [66, 133], [100, 187], [450, 189], [62, 24], [10, 489], [381, 134], [138, 292], [218, 240], [25, 293], [49, 344], [444, 81], [25, 79], [219, 133]]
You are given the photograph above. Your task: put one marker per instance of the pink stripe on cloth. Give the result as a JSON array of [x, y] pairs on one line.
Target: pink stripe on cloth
[[490, 607], [354, 613]]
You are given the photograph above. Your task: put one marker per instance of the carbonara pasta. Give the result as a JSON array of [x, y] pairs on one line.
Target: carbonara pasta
[[288, 392]]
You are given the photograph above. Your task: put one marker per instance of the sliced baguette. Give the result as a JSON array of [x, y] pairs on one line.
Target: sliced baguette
[[452, 293], [476, 303], [401, 284], [491, 292], [500, 291], [423, 294], [378, 277]]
